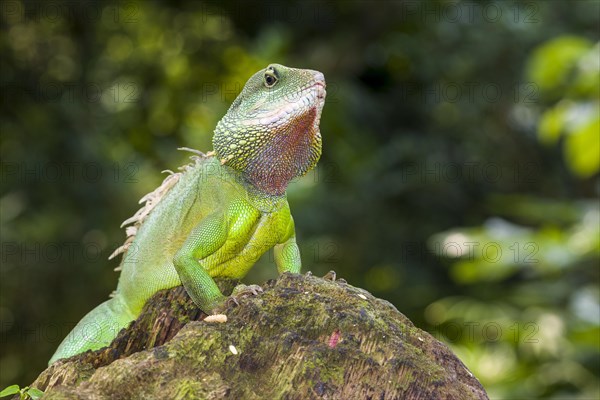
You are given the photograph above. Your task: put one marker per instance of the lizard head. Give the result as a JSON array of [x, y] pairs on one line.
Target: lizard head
[[271, 131]]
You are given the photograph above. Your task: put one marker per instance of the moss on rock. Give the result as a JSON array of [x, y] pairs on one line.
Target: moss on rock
[[302, 338]]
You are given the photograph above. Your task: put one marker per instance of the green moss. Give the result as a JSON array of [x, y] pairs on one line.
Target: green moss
[[303, 337]]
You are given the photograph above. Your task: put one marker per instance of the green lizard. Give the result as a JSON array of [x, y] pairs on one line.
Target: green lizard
[[224, 210]]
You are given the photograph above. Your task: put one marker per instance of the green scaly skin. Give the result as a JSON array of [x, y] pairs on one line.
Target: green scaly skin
[[224, 211]]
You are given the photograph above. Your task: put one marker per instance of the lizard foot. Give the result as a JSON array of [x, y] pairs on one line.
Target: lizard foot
[[242, 290], [330, 276]]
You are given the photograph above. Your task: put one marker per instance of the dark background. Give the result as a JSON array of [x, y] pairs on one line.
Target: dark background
[[459, 177]]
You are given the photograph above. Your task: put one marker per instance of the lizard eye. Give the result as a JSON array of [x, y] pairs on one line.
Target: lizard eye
[[270, 77]]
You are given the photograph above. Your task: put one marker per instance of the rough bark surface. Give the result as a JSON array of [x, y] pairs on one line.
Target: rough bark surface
[[303, 338]]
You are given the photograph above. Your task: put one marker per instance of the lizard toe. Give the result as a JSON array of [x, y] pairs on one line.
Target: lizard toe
[[242, 290]]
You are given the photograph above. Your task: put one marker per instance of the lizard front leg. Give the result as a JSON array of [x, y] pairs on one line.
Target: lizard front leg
[[287, 253], [287, 256], [206, 238]]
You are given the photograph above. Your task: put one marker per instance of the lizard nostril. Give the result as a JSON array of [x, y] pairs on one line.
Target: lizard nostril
[[319, 77]]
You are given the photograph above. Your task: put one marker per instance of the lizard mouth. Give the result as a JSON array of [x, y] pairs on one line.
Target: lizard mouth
[[312, 98], [320, 89], [304, 101]]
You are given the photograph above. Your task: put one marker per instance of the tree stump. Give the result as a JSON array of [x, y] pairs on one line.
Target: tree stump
[[302, 338]]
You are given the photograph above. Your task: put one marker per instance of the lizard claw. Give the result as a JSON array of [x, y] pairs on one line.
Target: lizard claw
[[242, 290], [330, 276]]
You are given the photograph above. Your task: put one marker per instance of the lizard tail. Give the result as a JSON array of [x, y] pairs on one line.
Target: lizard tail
[[96, 330]]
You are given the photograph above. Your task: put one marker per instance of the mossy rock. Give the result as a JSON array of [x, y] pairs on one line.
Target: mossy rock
[[302, 338]]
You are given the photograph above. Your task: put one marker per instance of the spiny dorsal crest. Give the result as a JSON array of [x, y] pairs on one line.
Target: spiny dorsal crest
[[151, 199]]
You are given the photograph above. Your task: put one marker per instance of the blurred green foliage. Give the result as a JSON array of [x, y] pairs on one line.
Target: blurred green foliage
[[459, 178], [567, 71], [543, 333]]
